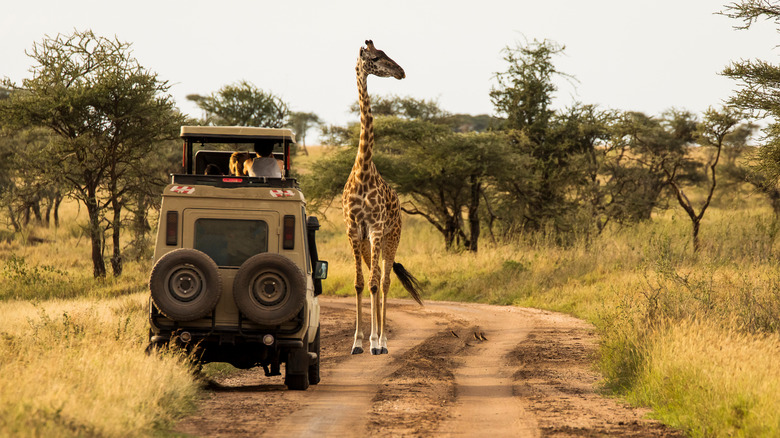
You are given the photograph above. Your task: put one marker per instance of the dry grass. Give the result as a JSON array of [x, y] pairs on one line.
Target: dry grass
[[72, 360], [713, 381], [78, 368], [61, 267]]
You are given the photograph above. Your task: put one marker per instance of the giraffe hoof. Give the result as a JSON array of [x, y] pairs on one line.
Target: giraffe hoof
[[376, 351], [357, 350], [383, 351]]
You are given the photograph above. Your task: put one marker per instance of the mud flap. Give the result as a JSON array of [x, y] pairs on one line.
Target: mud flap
[[296, 372]]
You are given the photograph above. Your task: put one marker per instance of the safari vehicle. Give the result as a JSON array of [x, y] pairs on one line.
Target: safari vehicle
[[236, 274]]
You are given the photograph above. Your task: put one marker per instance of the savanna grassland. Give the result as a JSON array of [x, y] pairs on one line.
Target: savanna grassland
[[695, 337], [72, 359]]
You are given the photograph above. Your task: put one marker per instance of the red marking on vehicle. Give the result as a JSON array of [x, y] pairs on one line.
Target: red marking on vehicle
[[183, 189], [282, 193], [232, 180]]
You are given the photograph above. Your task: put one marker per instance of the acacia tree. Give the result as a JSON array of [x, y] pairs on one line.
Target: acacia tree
[[106, 112], [600, 194], [34, 189], [644, 147], [524, 92], [656, 154], [29, 187], [550, 165], [302, 123], [759, 92], [711, 132], [243, 104]]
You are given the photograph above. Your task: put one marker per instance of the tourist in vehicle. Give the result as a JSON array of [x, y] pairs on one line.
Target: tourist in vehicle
[[213, 169], [265, 164]]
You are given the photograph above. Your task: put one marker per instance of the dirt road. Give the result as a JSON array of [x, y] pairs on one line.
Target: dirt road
[[454, 369]]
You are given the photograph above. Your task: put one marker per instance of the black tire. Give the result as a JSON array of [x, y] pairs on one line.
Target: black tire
[[185, 284], [297, 382], [269, 289], [314, 368], [297, 359]]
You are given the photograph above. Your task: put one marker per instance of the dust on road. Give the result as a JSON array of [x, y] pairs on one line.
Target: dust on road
[[454, 369]]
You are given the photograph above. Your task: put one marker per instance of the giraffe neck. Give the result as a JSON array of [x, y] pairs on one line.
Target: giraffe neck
[[366, 145]]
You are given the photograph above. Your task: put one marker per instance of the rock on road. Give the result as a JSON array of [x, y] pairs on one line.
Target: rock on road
[[454, 369]]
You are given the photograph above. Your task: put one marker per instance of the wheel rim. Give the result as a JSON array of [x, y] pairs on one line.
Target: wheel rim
[[268, 289], [185, 283]]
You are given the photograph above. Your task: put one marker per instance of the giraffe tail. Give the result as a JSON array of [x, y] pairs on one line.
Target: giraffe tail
[[409, 282]]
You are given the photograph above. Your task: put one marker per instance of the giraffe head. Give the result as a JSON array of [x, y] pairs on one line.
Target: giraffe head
[[375, 62]]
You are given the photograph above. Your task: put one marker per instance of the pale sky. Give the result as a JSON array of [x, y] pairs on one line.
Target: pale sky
[[630, 55]]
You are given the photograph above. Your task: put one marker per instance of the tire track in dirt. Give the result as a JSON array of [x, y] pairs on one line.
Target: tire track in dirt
[[416, 397], [339, 404], [486, 405], [555, 375]]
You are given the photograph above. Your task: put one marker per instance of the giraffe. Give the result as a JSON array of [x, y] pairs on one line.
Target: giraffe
[[372, 211]]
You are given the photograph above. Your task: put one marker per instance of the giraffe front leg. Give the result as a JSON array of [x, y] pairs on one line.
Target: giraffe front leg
[[383, 316], [382, 332], [376, 307], [357, 345], [375, 321]]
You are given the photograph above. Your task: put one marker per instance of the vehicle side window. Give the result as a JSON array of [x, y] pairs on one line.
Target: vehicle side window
[[229, 242]]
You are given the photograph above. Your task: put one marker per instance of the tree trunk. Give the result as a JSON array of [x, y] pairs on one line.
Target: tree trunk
[[476, 189], [450, 232], [116, 220], [57, 202], [696, 243], [14, 221], [116, 227], [35, 206], [47, 213], [141, 219], [98, 265]]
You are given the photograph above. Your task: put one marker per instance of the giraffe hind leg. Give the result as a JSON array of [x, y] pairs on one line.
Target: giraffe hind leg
[[365, 249], [388, 269], [388, 255]]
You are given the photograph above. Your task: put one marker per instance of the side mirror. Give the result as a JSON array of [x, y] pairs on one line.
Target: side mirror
[[321, 270]]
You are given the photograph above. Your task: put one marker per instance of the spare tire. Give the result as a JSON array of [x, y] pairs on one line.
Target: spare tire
[[269, 289], [185, 284]]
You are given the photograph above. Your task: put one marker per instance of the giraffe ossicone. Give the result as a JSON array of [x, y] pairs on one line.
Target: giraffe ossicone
[[372, 212]]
